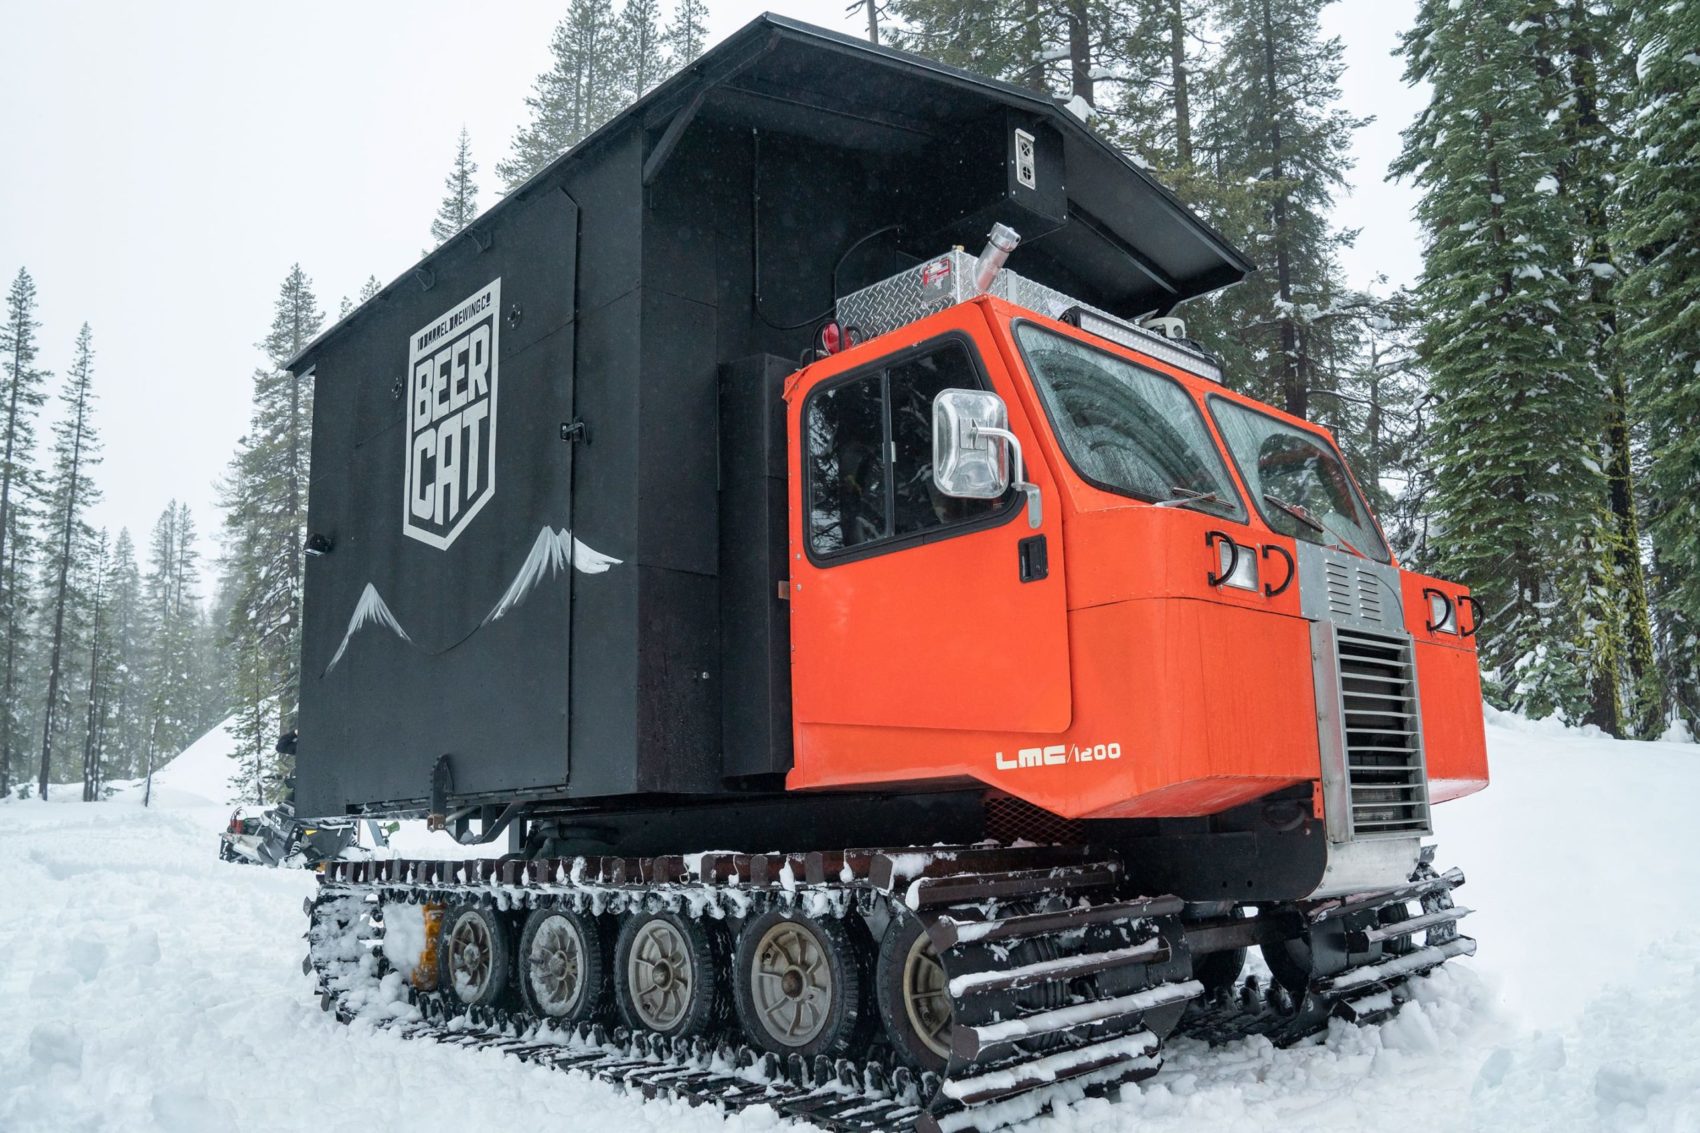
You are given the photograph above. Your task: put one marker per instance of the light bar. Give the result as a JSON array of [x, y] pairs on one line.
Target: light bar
[[1145, 341]]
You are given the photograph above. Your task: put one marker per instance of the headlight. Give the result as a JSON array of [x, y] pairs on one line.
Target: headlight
[[1442, 614], [1238, 565]]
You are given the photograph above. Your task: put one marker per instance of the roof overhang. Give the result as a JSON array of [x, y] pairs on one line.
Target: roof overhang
[[1128, 241]]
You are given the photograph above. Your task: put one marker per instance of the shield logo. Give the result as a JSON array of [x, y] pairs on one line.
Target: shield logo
[[451, 418]]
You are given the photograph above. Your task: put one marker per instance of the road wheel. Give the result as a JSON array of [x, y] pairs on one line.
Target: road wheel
[[1388, 916], [563, 965], [914, 1003], [473, 955], [667, 974], [798, 985], [1219, 972]]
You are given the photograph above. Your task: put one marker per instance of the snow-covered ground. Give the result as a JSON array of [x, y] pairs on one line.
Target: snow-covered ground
[[144, 985]]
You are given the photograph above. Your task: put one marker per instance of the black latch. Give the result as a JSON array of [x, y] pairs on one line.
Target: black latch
[[1035, 558], [575, 430], [442, 784]]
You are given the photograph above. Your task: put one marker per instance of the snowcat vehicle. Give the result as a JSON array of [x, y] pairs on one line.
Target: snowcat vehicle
[[905, 681], [275, 837]]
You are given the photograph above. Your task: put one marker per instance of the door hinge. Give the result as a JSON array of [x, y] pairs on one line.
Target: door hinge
[[785, 590]]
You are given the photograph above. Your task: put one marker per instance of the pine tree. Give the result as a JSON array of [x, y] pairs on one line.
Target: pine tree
[[1592, 80], [1519, 490], [687, 33], [215, 658], [126, 695], [99, 670], [640, 59], [1276, 129], [265, 498], [254, 724], [71, 492], [1163, 60], [21, 398], [170, 591], [1658, 248], [368, 289], [578, 93], [1378, 411], [460, 197], [1070, 48]]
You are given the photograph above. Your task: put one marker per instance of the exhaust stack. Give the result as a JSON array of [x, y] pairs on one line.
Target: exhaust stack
[[1000, 242]]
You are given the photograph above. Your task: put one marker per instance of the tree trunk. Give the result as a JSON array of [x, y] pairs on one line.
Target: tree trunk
[[1295, 393], [1648, 705], [1643, 711], [91, 741], [147, 788], [1080, 51], [1178, 76], [1372, 421], [8, 579], [55, 653]]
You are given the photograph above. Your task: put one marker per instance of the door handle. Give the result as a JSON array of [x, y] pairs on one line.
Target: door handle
[[1034, 558]]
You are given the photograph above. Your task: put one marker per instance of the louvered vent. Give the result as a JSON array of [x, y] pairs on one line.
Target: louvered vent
[[1385, 776], [1354, 593]]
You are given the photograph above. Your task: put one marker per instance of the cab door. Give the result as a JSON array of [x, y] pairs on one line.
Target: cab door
[[912, 610]]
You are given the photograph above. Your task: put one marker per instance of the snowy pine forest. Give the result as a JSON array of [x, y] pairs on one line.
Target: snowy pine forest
[[1524, 412]]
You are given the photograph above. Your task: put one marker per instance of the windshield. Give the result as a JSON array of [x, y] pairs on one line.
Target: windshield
[[1126, 428], [1293, 476]]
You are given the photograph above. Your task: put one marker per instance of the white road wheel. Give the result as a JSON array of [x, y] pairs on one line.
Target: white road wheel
[[473, 955], [561, 969], [791, 983], [798, 985], [926, 1000], [660, 974]]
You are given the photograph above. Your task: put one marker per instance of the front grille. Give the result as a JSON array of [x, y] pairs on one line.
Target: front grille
[[1387, 783], [1353, 592]]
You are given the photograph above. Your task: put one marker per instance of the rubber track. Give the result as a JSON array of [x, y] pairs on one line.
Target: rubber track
[[841, 1096]]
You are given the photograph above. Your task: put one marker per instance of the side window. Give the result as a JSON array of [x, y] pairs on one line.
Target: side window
[[847, 475], [912, 385], [870, 454]]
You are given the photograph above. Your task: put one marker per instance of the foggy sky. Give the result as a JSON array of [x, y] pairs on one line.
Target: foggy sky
[[163, 164]]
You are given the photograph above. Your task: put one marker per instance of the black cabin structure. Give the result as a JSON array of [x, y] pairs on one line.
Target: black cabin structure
[[605, 624]]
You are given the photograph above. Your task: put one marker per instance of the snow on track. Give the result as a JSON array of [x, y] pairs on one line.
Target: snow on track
[[148, 986]]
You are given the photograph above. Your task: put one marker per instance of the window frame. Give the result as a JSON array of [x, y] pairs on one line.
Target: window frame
[[995, 517], [1207, 421], [1322, 440]]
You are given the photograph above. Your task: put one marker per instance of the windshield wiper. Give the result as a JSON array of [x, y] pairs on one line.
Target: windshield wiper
[[1303, 515], [1184, 496]]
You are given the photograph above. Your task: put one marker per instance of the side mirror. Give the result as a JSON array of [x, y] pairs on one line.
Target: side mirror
[[970, 433], [966, 463]]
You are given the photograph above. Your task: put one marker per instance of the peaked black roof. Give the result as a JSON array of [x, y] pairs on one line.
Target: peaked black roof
[[1137, 245]]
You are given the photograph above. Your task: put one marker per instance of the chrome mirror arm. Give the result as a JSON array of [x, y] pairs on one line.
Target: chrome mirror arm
[[1035, 505]]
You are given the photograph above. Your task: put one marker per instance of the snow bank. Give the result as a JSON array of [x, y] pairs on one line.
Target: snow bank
[[151, 987], [199, 776]]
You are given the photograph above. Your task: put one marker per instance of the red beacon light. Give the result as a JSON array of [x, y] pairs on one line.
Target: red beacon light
[[834, 338]]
